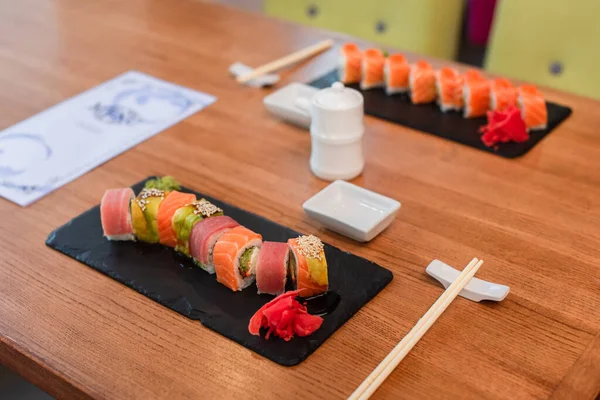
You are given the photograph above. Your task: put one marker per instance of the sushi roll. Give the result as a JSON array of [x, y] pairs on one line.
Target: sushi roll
[[308, 266], [203, 238], [449, 85], [271, 267], [144, 214], [234, 257], [115, 214], [533, 107], [372, 69], [476, 92], [186, 217], [395, 72], [172, 203], [421, 81], [502, 94], [350, 66]]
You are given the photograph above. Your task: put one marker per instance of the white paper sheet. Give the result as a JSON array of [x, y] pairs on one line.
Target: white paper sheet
[[54, 147]]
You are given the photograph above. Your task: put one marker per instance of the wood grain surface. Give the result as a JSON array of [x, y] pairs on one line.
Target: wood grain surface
[[534, 220]]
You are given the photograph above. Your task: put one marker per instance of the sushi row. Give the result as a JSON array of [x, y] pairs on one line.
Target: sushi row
[[470, 92], [215, 242]]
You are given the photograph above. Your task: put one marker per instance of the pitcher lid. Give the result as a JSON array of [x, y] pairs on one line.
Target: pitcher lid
[[338, 97]]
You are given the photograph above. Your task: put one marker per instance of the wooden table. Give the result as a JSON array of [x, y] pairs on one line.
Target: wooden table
[[534, 220]]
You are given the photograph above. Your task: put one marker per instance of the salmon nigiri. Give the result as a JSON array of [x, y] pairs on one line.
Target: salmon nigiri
[[533, 107], [234, 257], [372, 69], [502, 94], [396, 70], [308, 266], [422, 83], [172, 202], [449, 84], [350, 67], [476, 92]]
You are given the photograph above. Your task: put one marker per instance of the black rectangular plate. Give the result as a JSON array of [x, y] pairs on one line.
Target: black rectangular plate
[[160, 274], [428, 118]]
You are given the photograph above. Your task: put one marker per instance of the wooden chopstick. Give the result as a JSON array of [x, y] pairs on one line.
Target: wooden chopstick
[[286, 60], [407, 337], [385, 368]]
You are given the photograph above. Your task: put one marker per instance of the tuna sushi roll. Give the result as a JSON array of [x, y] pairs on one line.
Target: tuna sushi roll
[[271, 267], [234, 257], [372, 69], [533, 107], [172, 203], [449, 84], [144, 214], [476, 92], [421, 80], [396, 71], [115, 214], [186, 217], [308, 266], [502, 94], [350, 64], [205, 234]]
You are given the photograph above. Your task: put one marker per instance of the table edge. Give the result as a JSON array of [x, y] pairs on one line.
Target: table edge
[[37, 372], [583, 378]]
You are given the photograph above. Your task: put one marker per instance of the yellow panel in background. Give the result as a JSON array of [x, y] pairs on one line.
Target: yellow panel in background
[[548, 42], [430, 27]]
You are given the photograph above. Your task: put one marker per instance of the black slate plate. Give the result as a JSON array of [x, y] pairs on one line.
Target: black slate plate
[[428, 118], [159, 273]]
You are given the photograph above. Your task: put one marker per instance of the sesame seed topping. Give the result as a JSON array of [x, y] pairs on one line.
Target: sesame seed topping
[[204, 207], [310, 246], [142, 199]]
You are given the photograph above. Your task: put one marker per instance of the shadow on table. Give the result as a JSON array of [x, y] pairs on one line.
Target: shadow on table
[[12, 386]]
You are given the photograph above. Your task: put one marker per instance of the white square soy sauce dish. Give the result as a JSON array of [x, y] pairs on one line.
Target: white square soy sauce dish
[[290, 102], [351, 210]]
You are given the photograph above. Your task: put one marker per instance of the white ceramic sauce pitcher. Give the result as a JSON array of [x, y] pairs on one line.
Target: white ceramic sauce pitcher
[[336, 129]]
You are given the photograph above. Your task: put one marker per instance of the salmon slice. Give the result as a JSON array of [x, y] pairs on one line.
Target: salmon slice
[[309, 273], [396, 71], [115, 214], [205, 235], [350, 67], [449, 84], [422, 83], [476, 92], [372, 69], [227, 253], [174, 201], [502, 94], [533, 107]]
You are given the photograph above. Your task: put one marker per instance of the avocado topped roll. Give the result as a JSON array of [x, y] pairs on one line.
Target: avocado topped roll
[[308, 266], [144, 214], [186, 217]]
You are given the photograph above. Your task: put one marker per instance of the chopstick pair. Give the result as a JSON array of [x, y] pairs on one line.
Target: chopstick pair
[[391, 361], [286, 61]]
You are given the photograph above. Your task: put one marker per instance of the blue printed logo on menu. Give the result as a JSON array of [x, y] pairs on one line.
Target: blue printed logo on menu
[[149, 104]]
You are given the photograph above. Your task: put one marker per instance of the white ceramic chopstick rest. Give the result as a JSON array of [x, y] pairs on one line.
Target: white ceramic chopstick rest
[[476, 290], [239, 69]]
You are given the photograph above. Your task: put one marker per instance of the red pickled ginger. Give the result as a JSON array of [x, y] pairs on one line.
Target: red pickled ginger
[[284, 316], [504, 126]]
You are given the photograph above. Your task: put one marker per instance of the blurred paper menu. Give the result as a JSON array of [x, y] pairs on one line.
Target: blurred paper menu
[[54, 147]]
